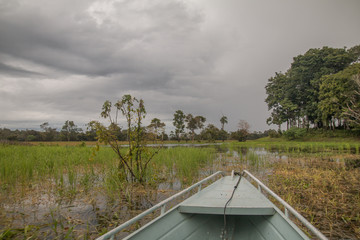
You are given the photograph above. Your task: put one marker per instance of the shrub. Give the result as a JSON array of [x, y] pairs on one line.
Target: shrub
[[273, 133], [294, 133]]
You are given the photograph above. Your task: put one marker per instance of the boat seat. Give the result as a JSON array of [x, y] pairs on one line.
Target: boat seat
[[247, 200]]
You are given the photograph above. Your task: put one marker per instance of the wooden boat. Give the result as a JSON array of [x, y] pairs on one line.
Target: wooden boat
[[230, 208]]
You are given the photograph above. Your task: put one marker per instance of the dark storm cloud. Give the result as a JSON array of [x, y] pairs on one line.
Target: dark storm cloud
[[62, 59], [79, 44]]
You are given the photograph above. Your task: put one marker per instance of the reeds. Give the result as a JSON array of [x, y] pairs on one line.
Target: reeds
[[181, 162]]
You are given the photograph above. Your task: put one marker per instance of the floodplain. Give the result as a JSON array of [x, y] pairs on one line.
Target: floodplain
[[74, 192]]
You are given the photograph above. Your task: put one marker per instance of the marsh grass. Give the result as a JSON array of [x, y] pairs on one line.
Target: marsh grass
[[61, 176], [181, 162], [294, 148], [70, 167], [324, 192]]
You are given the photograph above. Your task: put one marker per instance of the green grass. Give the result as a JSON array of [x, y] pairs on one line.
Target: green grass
[[21, 164], [302, 147], [182, 162], [70, 166]]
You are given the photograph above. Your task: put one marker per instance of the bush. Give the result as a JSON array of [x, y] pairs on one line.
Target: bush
[[273, 133], [294, 133]]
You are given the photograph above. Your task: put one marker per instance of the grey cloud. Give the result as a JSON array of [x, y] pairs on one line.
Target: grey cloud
[[203, 57], [81, 46], [18, 72]]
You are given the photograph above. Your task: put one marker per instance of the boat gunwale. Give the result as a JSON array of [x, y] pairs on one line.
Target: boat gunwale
[[162, 205], [287, 207], [260, 185]]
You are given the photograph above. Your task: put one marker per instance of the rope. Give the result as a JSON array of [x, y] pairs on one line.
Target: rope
[[232, 195]]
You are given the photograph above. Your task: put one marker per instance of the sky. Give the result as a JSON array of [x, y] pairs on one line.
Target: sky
[[62, 59]]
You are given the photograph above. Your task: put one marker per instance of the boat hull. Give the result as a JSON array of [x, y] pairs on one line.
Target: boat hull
[[190, 220]]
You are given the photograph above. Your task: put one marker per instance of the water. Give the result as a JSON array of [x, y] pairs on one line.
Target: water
[[87, 214]]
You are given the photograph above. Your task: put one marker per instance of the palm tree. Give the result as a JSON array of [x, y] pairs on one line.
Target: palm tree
[[223, 121]]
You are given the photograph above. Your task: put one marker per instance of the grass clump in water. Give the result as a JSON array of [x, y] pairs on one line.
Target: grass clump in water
[[183, 163]]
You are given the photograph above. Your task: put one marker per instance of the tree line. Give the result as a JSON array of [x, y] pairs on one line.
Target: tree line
[[321, 89], [188, 127], [68, 132]]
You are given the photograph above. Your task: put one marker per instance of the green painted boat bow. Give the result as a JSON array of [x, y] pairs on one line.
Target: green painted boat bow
[[248, 214]]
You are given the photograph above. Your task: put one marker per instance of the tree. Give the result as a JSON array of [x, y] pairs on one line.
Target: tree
[[223, 121], [306, 71], [191, 125], [355, 53], [69, 130], [294, 96], [179, 123], [172, 136], [281, 99], [49, 133], [210, 133], [353, 109], [157, 128], [44, 126], [242, 132], [194, 123], [336, 94], [90, 132], [223, 134], [200, 122], [133, 164]]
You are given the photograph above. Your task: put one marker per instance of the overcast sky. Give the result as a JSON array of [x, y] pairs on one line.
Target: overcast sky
[[61, 59]]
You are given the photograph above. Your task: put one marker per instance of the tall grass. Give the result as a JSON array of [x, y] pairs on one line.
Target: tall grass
[[24, 164], [69, 166], [302, 148], [181, 162]]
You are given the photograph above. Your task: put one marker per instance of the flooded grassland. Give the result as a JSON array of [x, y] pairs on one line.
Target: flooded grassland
[[59, 192], [65, 192]]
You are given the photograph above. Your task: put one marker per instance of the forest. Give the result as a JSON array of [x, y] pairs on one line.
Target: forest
[[320, 90]]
